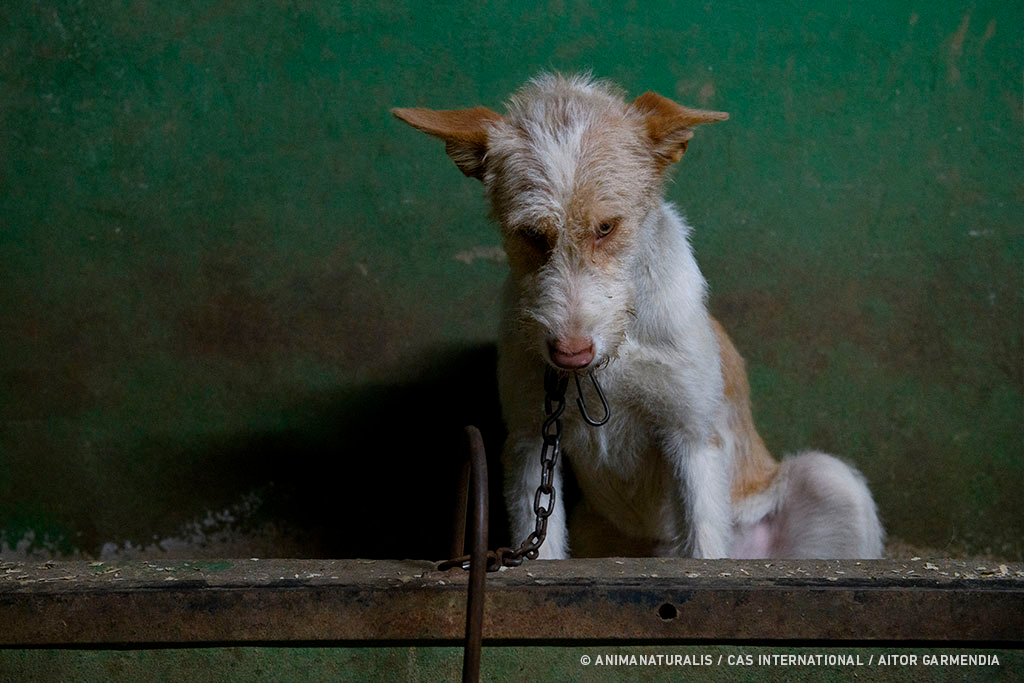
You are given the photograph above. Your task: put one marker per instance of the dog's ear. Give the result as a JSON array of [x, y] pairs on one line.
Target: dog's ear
[[464, 132], [670, 125]]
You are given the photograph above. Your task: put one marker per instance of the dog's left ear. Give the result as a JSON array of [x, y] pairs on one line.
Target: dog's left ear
[[670, 126], [464, 132]]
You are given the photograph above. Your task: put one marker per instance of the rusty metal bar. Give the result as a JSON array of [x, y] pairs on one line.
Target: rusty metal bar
[[461, 511], [625, 600], [478, 561]]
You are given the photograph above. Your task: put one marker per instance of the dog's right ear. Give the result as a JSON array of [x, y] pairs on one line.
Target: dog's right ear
[[464, 132]]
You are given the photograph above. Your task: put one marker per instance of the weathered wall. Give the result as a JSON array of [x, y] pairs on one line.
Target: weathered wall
[[227, 273]]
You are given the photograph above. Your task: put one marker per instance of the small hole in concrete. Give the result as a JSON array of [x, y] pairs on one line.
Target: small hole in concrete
[[667, 611]]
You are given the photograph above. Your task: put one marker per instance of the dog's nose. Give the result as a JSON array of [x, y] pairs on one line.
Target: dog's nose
[[572, 353]]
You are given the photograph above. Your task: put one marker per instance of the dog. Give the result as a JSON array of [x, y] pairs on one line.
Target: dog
[[603, 280]]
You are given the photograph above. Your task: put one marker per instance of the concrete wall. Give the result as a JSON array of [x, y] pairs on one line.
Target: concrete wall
[[243, 311]]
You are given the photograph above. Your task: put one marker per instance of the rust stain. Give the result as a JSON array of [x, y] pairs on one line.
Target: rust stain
[[331, 312], [68, 340], [757, 314], [956, 48], [990, 31]]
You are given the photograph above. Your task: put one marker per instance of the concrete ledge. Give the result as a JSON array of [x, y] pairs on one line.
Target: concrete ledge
[[638, 600]]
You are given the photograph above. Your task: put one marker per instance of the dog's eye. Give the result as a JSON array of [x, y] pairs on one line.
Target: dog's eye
[[534, 236], [606, 228]]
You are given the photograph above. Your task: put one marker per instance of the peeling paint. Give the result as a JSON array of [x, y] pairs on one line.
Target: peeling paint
[[481, 253], [218, 533]]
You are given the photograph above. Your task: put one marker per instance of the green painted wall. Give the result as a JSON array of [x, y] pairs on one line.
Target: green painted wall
[[550, 663], [226, 274]]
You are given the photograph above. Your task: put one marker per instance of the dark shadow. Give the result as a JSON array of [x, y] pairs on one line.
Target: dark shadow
[[369, 473]]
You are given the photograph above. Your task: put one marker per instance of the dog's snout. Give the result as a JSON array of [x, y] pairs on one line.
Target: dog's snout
[[572, 353]]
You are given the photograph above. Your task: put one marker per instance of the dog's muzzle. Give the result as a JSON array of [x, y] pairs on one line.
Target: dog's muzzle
[[574, 353]]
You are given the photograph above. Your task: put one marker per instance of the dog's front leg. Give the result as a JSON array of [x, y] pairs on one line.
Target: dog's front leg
[[522, 466], [702, 471]]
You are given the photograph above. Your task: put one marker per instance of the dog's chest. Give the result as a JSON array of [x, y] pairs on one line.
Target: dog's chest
[[623, 474]]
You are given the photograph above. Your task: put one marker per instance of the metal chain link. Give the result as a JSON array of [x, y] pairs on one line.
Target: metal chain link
[[555, 385]]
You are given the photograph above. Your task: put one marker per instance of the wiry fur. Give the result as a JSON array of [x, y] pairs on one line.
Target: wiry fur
[[679, 468]]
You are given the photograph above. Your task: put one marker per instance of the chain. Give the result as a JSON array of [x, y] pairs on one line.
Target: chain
[[544, 499]]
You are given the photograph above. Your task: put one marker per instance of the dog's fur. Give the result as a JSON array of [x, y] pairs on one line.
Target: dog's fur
[[603, 279]]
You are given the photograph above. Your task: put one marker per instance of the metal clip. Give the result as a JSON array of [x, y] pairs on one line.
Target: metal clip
[[583, 407]]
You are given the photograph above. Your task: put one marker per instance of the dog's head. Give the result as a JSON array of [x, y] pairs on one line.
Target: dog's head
[[574, 175]]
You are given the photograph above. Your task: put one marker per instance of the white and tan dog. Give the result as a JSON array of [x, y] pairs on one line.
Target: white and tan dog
[[603, 279]]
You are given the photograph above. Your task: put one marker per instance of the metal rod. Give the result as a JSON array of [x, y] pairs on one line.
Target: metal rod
[[478, 558], [461, 511], [583, 406]]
